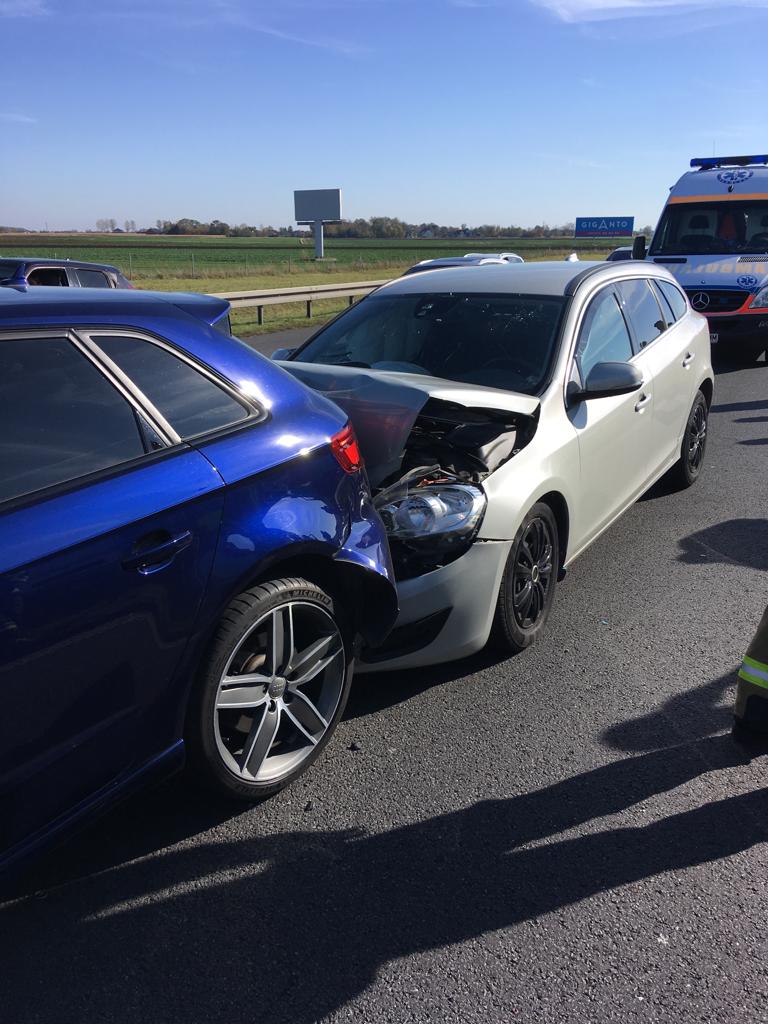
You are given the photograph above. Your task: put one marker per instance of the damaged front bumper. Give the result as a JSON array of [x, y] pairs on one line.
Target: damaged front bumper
[[444, 614]]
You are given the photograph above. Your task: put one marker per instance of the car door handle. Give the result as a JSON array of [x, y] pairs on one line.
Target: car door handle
[[641, 403], [156, 556], [688, 359]]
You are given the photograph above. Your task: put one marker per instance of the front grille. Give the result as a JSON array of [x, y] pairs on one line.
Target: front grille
[[721, 300]]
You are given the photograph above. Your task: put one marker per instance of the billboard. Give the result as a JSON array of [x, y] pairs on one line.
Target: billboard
[[311, 204], [604, 227]]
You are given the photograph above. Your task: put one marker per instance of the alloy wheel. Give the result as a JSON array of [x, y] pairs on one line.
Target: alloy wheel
[[532, 577], [697, 438], [279, 692]]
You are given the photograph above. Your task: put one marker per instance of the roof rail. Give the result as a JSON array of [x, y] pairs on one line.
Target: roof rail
[[707, 163], [574, 283]]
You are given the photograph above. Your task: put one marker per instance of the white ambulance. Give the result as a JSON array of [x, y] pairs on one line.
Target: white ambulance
[[713, 236]]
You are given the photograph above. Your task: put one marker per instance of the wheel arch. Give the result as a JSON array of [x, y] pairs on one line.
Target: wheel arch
[[707, 388], [556, 501]]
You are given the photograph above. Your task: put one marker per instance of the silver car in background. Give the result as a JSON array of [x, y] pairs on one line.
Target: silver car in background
[[508, 416]]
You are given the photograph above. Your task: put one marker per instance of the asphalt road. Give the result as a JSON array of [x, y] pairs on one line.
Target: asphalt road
[[568, 836]]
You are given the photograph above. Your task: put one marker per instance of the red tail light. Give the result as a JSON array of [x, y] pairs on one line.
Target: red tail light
[[344, 446]]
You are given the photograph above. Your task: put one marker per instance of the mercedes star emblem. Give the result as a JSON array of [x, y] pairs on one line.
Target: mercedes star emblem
[[700, 301]]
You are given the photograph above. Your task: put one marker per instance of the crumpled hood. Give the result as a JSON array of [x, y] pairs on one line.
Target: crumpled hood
[[746, 274], [383, 405]]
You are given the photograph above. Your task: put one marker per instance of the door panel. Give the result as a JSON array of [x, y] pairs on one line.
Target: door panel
[[88, 646], [616, 433]]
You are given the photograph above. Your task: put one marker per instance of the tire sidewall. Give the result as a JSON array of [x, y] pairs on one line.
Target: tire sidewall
[[508, 633], [204, 755], [688, 475]]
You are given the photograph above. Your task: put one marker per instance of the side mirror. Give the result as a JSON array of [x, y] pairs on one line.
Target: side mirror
[[282, 353], [607, 379], [638, 248]]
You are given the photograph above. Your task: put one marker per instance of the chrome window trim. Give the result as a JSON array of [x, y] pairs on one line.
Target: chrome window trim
[[127, 388], [255, 412]]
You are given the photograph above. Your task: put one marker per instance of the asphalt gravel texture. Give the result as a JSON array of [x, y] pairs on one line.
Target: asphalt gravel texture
[[571, 835]]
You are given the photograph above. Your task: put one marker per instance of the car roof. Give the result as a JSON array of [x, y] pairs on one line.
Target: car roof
[[722, 182], [545, 278], [91, 305], [44, 261], [560, 277]]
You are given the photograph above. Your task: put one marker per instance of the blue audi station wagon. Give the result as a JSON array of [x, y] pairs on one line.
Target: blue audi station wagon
[[189, 557]]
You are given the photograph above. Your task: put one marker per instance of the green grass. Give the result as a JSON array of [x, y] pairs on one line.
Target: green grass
[[205, 263]]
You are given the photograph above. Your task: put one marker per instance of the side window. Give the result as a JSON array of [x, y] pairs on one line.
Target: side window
[[661, 298], [93, 279], [604, 337], [674, 297], [49, 276], [642, 309], [60, 418], [190, 401]]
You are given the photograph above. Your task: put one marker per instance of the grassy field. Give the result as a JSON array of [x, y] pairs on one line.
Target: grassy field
[[205, 263]]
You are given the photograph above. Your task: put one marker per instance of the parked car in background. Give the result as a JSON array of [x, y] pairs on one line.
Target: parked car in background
[[188, 557], [38, 271], [623, 252], [470, 259], [507, 419]]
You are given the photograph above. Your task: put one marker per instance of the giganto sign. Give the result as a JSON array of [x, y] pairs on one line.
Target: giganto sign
[[604, 227], [317, 206]]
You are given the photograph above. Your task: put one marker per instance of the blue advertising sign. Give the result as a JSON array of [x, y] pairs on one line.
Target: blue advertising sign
[[604, 227]]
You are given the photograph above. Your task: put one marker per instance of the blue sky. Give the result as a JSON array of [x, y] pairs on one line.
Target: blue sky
[[457, 111]]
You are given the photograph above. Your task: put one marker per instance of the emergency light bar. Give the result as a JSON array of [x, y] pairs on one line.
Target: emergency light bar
[[706, 163]]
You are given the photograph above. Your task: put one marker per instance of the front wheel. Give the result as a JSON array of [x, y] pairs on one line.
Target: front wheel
[[272, 690], [528, 584], [691, 462]]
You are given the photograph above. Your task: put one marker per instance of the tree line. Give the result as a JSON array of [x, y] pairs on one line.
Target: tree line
[[373, 227]]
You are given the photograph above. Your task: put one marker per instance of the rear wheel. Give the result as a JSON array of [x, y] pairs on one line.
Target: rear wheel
[[272, 691], [528, 584], [688, 468]]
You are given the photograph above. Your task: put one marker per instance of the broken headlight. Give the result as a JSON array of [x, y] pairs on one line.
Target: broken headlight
[[434, 511]]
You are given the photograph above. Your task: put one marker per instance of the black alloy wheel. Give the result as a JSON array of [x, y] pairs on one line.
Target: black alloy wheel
[[528, 585], [691, 462]]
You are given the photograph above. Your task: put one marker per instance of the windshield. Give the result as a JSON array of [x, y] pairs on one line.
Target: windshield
[[7, 269], [500, 341], [699, 229]]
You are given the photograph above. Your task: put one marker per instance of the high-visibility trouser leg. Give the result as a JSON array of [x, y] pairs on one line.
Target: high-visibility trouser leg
[[751, 708]]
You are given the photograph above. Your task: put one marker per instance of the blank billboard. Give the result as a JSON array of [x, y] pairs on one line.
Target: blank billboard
[[317, 204]]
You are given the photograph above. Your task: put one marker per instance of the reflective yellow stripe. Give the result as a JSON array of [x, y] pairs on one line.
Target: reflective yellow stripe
[[749, 678], [754, 663]]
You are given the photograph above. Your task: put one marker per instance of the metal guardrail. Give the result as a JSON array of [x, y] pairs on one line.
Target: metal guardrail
[[281, 296]]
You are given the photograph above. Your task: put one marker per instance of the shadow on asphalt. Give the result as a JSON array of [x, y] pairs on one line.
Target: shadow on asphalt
[[291, 927], [735, 541], [377, 691]]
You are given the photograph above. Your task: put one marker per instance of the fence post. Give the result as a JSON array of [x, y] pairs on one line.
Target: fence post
[[260, 315], [309, 309], [351, 300], [246, 264], [193, 264], [130, 266]]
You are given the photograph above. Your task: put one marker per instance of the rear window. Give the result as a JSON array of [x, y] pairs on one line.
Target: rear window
[[190, 401], [7, 269]]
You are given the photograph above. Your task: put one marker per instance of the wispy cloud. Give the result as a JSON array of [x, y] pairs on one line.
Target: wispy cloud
[[606, 10], [23, 8], [10, 118], [192, 15]]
